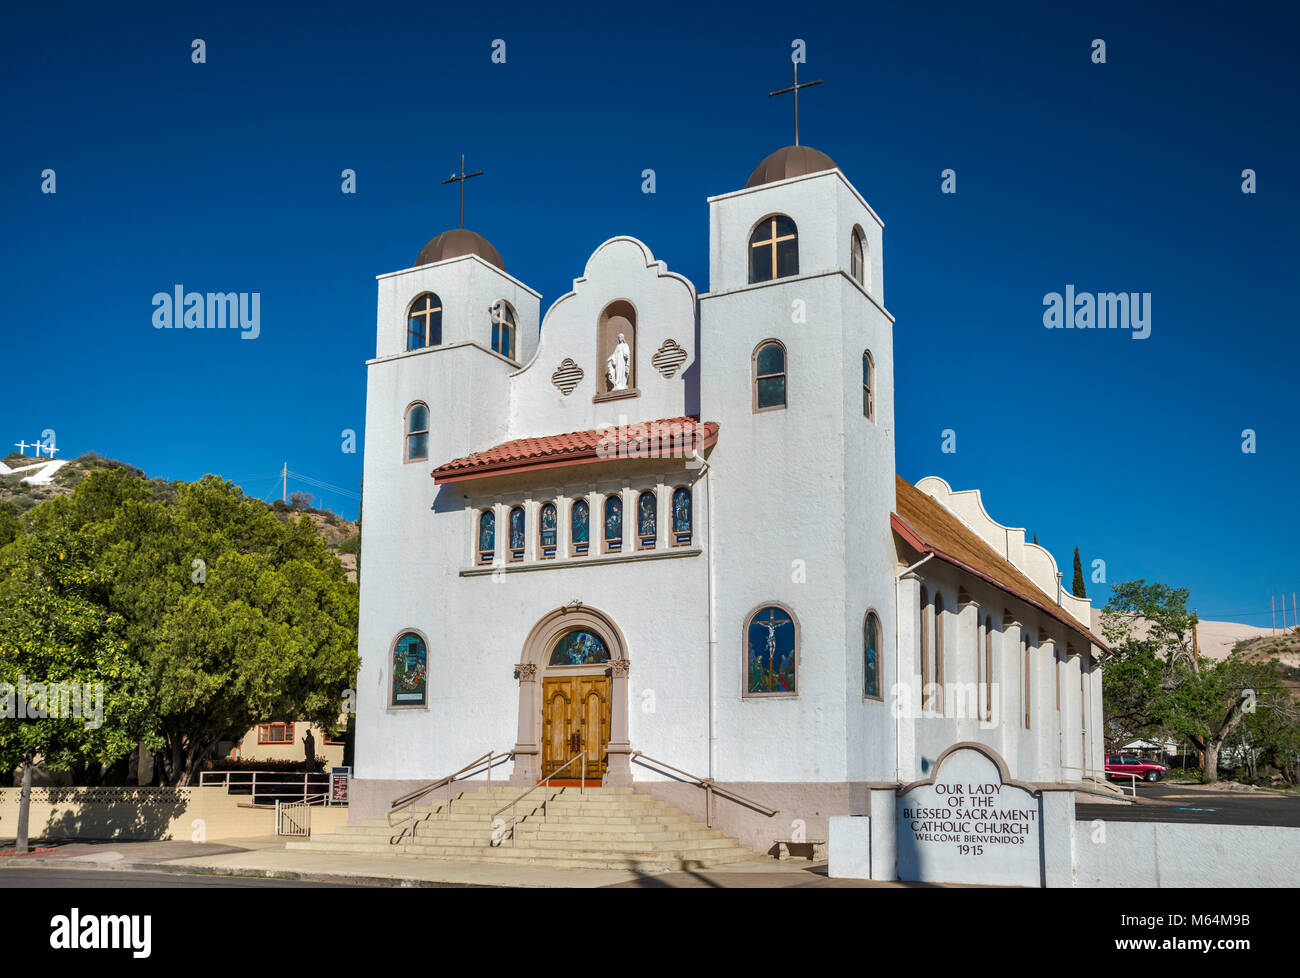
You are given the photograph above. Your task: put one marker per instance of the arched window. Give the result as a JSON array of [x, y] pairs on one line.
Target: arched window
[[517, 533], [547, 530], [579, 648], [858, 257], [988, 668], [937, 699], [613, 524], [1026, 671], [503, 329], [424, 322], [410, 671], [868, 386], [647, 520], [771, 652], [682, 517], [769, 376], [871, 657], [579, 525], [773, 249], [417, 432], [925, 648], [487, 536]]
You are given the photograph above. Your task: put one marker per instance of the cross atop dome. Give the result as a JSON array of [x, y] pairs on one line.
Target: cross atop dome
[[794, 90]]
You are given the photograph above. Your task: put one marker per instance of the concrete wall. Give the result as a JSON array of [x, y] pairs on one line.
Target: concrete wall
[[1165, 854], [138, 814]]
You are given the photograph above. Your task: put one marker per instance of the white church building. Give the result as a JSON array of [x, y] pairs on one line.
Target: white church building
[[663, 528]]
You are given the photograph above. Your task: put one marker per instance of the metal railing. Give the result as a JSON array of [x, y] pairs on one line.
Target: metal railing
[[710, 787], [273, 786], [1102, 777], [544, 784], [293, 819], [489, 760]]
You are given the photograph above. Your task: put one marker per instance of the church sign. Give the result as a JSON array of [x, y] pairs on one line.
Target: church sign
[[970, 824]]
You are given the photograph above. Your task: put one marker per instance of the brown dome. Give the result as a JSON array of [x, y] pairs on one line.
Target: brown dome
[[789, 161], [457, 242]]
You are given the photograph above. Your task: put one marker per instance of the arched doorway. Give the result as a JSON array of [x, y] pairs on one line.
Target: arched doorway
[[573, 699]]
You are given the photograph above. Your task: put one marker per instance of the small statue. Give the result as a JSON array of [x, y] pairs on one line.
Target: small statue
[[618, 368]]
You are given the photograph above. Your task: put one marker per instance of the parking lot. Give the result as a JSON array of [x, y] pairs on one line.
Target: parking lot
[[1173, 802]]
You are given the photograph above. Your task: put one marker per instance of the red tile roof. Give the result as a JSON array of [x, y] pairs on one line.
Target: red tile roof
[[665, 438], [930, 528]]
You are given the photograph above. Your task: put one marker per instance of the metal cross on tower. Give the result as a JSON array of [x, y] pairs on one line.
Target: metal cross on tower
[[461, 178], [795, 90]]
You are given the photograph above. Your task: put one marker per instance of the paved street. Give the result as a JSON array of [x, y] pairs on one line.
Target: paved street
[[1173, 802], [38, 877]]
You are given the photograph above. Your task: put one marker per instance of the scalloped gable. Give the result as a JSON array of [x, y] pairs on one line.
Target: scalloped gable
[[928, 523], [621, 268]]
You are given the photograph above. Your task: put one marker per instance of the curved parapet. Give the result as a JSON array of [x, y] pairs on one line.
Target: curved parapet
[[1031, 559]]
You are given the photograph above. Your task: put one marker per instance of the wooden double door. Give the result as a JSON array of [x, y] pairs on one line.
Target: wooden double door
[[575, 718]]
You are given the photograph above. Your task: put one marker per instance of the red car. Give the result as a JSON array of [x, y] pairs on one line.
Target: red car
[[1127, 764]]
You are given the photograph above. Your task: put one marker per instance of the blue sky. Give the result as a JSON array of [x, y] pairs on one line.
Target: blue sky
[[1125, 176]]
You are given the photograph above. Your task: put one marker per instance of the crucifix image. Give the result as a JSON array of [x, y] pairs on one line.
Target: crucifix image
[[794, 90], [461, 178], [22, 447]]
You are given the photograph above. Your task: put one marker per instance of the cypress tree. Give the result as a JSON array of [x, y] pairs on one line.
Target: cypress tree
[[1079, 590]]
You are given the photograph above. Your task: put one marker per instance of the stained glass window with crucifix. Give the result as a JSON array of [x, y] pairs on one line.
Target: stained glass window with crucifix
[[771, 645]]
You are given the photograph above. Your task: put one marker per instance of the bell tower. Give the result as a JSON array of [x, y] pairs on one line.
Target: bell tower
[[796, 354]]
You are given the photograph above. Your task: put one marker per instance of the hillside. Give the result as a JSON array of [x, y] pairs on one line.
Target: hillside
[[340, 534]]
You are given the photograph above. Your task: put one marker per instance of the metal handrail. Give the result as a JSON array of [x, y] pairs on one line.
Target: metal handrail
[[1103, 776], [492, 758], [514, 805], [710, 788]]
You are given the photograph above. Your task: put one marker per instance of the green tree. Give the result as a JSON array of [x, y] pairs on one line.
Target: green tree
[[1154, 680], [1079, 590], [69, 691], [232, 616]]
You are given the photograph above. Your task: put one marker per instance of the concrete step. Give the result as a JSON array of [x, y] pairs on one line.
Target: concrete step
[[610, 828], [529, 830]]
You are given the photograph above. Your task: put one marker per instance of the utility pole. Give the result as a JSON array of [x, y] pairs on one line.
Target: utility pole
[[1272, 610], [284, 484]]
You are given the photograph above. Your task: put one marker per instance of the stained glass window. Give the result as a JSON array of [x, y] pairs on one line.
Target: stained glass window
[[682, 515], [547, 530], [417, 432], [487, 536], [770, 653], [580, 517], [773, 249], [579, 648], [871, 657], [647, 519], [424, 322], [868, 382], [769, 376], [410, 671], [613, 523], [517, 533]]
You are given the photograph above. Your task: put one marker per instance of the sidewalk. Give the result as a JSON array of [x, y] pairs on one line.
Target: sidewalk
[[269, 858]]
